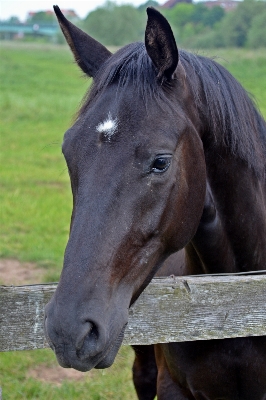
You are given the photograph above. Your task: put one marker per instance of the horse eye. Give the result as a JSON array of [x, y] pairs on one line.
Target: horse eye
[[161, 164]]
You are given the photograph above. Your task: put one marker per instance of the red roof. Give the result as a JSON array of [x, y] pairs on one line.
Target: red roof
[[67, 13], [172, 3], [227, 5]]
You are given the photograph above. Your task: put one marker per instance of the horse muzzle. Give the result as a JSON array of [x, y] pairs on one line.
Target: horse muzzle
[[84, 345]]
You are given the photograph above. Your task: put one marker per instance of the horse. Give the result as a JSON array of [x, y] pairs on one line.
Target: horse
[[167, 153]]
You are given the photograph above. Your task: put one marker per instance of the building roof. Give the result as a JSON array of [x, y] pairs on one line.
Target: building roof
[[227, 5], [172, 3]]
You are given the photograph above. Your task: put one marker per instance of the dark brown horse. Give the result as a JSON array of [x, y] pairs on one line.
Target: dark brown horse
[[168, 152]]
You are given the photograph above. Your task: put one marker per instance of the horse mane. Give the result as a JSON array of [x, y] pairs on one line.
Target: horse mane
[[129, 65], [233, 120]]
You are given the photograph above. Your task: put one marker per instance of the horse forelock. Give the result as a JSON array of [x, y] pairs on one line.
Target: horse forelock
[[232, 118], [130, 67]]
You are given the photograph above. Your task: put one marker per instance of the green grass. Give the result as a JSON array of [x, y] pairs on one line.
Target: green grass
[[40, 91], [249, 67], [113, 383]]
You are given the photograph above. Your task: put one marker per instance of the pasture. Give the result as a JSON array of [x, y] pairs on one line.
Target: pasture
[[40, 90]]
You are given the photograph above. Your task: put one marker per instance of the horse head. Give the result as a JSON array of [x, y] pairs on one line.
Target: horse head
[[137, 171]]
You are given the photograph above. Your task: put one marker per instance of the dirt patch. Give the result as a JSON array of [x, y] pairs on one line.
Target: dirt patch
[[56, 375], [14, 272]]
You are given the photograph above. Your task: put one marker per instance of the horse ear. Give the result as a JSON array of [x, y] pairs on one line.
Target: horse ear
[[89, 54], [160, 44]]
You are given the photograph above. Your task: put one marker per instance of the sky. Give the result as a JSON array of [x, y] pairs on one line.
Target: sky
[[20, 8]]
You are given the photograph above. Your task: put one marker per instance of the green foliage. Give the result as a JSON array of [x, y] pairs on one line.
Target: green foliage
[[42, 16], [195, 25], [236, 24], [13, 20], [256, 36], [190, 20], [150, 3], [207, 16], [115, 25], [213, 16], [180, 15]]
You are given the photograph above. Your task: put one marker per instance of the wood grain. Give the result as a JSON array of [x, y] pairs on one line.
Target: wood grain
[[170, 309]]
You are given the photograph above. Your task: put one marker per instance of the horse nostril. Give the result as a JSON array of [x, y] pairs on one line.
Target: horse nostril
[[86, 344]]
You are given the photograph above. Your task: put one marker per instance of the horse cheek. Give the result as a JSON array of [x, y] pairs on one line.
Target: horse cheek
[[190, 191]]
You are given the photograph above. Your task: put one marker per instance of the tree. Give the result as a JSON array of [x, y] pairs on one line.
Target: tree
[[13, 20], [237, 23], [213, 16], [149, 3], [256, 36], [180, 15], [42, 16], [115, 25], [191, 20]]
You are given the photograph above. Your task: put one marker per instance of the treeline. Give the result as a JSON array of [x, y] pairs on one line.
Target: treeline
[[194, 25]]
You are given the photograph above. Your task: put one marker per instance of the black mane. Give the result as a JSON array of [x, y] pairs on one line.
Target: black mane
[[233, 119]]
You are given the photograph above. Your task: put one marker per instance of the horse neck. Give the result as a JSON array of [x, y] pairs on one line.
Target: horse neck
[[231, 236]]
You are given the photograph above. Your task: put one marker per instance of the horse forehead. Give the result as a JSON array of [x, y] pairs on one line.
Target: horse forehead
[[108, 126], [132, 128]]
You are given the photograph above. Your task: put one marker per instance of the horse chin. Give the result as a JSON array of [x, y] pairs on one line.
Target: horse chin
[[86, 364], [109, 358]]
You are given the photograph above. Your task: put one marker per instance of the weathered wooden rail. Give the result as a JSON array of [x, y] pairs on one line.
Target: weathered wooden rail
[[170, 309]]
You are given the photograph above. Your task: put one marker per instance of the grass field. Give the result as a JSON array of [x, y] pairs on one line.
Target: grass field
[[40, 91]]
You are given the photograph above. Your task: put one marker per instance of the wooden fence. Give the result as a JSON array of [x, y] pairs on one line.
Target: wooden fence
[[170, 309]]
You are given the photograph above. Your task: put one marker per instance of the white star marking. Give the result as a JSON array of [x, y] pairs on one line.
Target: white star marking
[[108, 127]]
